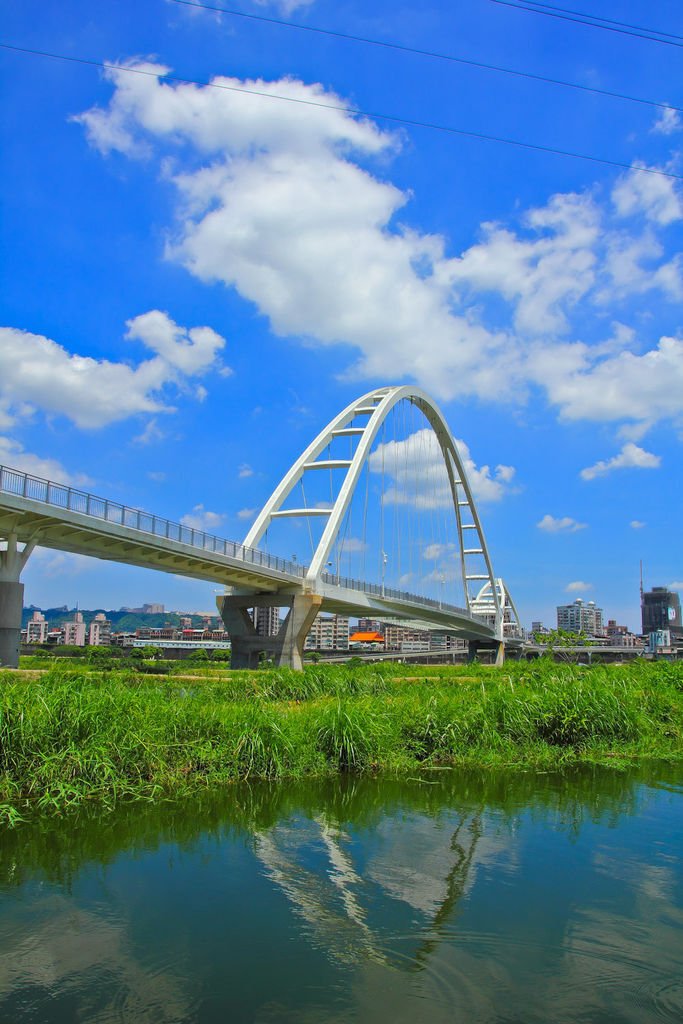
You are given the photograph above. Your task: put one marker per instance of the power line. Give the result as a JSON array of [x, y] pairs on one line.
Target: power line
[[433, 54], [585, 20], [607, 21], [395, 118]]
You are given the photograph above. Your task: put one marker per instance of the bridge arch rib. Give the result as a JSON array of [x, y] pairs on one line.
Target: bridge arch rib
[[376, 406]]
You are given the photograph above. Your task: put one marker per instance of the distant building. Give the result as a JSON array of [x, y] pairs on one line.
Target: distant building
[[370, 626], [328, 633], [99, 634], [440, 641], [620, 636], [267, 621], [580, 618], [37, 629], [661, 609], [153, 609], [74, 632], [402, 638], [366, 638]]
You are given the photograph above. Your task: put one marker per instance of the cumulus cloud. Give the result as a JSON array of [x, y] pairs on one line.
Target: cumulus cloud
[[565, 524], [38, 372], [416, 469], [247, 513], [637, 524], [245, 471], [13, 455], [625, 386], [630, 457], [277, 200], [201, 518], [676, 585], [577, 587], [655, 197], [668, 121]]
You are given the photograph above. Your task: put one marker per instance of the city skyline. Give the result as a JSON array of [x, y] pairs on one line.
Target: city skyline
[[219, 272]]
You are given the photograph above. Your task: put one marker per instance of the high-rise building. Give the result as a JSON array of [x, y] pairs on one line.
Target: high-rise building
[[580, 618], [74, 632], [329, 633], [267, 621], [99, 634], [36, 629], [661, 609]]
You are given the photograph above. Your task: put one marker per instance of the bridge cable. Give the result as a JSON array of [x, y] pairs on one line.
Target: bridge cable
[[432, 54], [345, 109]]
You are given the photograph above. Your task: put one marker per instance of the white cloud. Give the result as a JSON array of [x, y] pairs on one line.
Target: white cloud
[[418, 475], [351, 545], [201, 519], [578, 586], [637, 524], [622, 387], [285, 7], [42, 373], [434, 552], [59, 564], [157, 475], [151, 433], [676, 585], [190, 350], [565, 524], [245, 471], [543, 273], [277, 200], [668, 121], [247, 513], [13, 455], [656, 197], [630, 457]]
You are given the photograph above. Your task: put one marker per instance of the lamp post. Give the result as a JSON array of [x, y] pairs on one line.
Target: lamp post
[[384, 569]]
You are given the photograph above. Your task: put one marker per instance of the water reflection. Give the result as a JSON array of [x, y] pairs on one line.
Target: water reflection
[[491, 897]]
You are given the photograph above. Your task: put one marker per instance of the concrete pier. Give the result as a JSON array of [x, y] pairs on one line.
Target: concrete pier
[[287, 647], [11, 604]]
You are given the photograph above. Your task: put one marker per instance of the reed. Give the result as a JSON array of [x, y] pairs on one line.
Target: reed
[[74, 733]]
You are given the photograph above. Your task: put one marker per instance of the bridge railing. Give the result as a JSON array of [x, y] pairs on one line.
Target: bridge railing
[[378, 590], [25, 485]]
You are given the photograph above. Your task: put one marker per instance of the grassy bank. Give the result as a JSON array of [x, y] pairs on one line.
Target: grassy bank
[[72, 733]]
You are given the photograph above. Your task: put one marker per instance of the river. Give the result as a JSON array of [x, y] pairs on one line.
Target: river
[[456, 897]]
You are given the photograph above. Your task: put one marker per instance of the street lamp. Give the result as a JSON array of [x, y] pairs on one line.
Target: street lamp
[[384, 569]]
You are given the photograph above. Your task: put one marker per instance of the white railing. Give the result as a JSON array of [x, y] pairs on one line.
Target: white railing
[[25, 485]]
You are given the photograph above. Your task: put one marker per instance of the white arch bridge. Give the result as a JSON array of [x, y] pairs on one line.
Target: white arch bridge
[[34, 512]]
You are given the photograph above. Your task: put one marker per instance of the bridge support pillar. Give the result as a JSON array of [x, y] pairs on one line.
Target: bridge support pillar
[[287, 647], [11, 604], [496, 649], [12, 561]]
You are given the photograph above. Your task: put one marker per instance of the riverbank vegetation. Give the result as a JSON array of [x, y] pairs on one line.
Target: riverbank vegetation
[[74, 733]]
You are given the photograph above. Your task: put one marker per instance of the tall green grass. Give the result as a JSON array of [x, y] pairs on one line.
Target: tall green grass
[[74, 734]]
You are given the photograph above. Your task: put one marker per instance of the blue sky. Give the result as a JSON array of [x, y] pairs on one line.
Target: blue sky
[[197, 279]]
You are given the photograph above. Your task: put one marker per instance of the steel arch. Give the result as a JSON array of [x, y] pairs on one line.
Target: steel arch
[[376, 405]]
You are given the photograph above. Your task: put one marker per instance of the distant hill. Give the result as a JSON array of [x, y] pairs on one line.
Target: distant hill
[[122, 621]]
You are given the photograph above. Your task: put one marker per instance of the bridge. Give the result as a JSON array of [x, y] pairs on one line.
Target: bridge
[[431, 489]]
